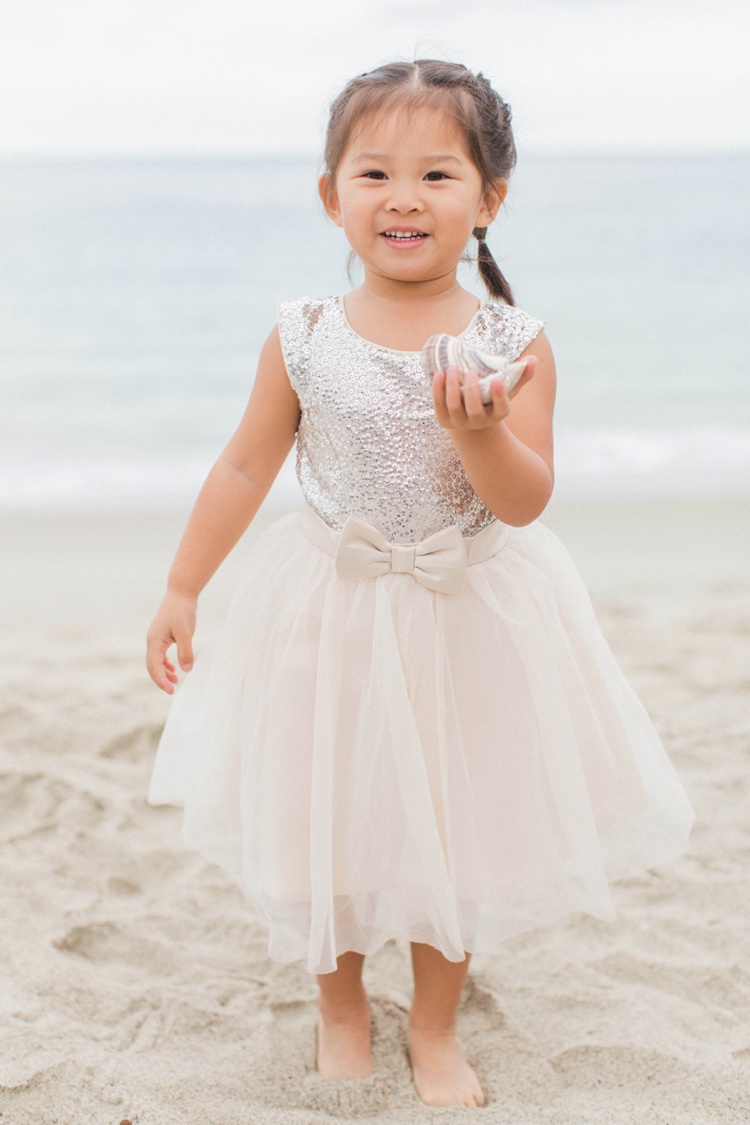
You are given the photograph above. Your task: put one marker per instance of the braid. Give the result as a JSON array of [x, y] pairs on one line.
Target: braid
[[489, 270]]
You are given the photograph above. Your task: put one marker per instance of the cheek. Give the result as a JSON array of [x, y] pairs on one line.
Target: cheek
[[356, 222], [463, 210], [357, 205], [463, 221]]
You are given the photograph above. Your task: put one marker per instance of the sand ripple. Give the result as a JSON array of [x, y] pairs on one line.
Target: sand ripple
[[138, 985]]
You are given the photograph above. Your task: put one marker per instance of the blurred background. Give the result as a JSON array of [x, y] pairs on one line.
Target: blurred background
[[158, 166]]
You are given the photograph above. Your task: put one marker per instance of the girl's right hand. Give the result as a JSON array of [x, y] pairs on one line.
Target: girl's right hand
[[174, 623]]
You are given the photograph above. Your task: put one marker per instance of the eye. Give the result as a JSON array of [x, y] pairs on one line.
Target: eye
[[436, 176], [374, 175]]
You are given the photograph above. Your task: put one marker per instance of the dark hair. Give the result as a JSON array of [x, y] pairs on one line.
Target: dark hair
[[478, 111]]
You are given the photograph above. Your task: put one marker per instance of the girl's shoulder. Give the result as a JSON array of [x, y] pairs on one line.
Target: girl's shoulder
[[304, 311], [502, 329], [496, 328], [298, 321]]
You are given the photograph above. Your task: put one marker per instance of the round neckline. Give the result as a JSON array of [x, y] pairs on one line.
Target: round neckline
[[398, 351]]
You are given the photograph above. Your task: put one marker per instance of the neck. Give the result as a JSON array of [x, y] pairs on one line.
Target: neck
[[387, 290], [403, 315]]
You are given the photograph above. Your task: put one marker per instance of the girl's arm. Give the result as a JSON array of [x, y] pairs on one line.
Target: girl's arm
[[227, 502], [506, 451]]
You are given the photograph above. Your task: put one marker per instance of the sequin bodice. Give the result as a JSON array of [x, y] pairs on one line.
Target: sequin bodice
[[368, 443]]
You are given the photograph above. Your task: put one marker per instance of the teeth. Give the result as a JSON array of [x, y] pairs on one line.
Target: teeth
[[403, 234]]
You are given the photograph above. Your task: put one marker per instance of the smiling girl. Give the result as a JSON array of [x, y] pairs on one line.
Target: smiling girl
[[410, 725]]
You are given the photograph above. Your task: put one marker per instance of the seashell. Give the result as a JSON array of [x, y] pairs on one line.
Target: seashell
[[443, 351]]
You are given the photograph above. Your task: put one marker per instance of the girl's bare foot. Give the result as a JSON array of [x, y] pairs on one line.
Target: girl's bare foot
[[344, 1038], [442, 1075]]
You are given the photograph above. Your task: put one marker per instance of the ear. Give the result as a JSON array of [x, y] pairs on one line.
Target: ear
[[329, 197], [494, 198]]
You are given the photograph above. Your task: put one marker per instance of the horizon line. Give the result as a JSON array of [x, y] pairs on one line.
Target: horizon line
[[307, 156]]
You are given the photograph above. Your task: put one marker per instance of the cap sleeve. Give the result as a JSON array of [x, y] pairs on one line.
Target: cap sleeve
[[297, 321], [506, 330]]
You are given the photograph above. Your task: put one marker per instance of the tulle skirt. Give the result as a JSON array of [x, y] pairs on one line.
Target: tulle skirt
[[372, 759]]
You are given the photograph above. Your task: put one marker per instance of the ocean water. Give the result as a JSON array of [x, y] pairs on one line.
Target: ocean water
[[135, 296]]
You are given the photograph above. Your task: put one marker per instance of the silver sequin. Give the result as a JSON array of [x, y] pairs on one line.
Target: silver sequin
[[368, 442]]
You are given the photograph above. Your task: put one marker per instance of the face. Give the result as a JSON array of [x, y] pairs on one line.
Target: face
[[408, 196]]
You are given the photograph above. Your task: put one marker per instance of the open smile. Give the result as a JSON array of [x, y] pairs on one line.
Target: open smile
[[404, 236]]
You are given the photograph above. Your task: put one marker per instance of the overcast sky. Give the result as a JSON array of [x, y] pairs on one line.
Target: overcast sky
[[238, 76]]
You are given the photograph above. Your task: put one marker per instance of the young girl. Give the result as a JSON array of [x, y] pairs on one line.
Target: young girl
[[409, 725]]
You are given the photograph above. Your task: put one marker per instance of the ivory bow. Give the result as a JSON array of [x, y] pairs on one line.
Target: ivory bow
[[438, 562]]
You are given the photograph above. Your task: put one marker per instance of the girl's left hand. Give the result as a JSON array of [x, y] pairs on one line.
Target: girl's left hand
[[458, 408]]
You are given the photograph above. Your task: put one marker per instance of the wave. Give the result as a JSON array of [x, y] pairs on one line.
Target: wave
[[596, 462]]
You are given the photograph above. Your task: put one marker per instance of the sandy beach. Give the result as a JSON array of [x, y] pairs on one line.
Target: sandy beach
[[136, 981]]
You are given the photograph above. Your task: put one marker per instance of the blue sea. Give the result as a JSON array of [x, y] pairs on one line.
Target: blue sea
[[135, 295]]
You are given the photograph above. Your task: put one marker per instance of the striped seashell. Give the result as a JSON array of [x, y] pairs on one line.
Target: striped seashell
[[443, 351]]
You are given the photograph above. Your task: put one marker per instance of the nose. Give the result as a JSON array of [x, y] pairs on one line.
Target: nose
[[405, 198]]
